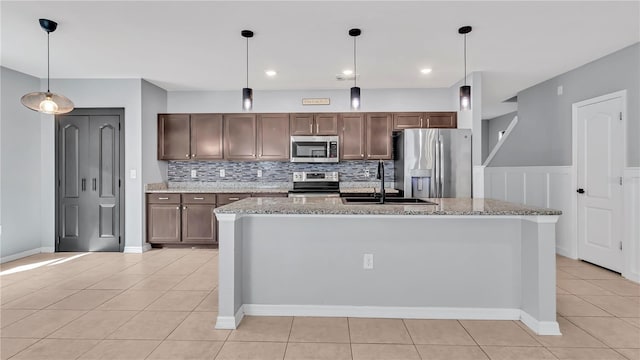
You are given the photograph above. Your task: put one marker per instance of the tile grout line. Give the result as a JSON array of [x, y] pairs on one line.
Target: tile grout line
[[411, 337], [474, 339]]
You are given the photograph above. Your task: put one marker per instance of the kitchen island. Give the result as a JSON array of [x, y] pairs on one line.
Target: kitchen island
[[458, 259]]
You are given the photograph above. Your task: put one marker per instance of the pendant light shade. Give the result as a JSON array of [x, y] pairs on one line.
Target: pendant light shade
[[47, 102], [355, 90], [465, 90], [247, 92]]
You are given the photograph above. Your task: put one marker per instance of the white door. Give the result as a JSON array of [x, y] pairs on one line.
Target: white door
[[600, 156]]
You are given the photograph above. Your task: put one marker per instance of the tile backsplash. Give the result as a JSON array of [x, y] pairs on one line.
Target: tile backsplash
[[272, 171]]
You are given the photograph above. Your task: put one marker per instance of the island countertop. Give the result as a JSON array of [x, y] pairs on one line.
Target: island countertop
[[334, 206]]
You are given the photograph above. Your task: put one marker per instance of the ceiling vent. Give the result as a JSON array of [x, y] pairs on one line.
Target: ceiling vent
[[343, 77]]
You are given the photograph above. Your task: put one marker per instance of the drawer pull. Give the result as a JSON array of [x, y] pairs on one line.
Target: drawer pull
[[198, 198], [163, 198], [234, 198]]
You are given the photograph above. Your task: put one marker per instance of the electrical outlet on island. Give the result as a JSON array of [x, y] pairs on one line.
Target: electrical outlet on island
[[222, 174]]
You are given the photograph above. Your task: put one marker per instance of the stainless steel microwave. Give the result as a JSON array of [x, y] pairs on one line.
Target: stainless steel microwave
[[314, 149]]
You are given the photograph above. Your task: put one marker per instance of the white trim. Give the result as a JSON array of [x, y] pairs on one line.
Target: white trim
[[230, 322], [48, 249], [133, 250], [478, 181], [395, 312], [20, 255], [574, 156], [540, 327], [146, 247], [496, 148], [631, 235]]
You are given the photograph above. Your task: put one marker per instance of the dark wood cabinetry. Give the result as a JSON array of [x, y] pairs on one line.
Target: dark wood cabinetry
[[240, 134], [163, 218], [378, 141], [190, 137], [198, 219], [352, 137], [176, 219], [425, 120], [314, 124], [273, 137]]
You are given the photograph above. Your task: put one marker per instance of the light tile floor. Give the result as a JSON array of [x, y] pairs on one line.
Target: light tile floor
[[162, 305]]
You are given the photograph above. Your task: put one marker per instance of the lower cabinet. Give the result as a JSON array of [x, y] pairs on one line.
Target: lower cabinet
[[178, 219]]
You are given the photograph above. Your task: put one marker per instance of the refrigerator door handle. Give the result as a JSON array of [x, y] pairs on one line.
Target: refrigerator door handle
[[436, 168], [441, 161]]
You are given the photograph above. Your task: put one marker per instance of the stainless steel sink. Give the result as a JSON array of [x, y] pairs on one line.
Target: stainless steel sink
[[387, 201]]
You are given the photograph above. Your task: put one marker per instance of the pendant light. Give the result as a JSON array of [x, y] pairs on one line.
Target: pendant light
[[355, 90], [247, 92], [47, 102], [465, 90]]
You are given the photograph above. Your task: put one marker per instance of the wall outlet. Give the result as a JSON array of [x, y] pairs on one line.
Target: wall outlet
[[222, 173], [560, 90], [133, 174], [259, 173], [366, 173], [368, 262], [194, 173]]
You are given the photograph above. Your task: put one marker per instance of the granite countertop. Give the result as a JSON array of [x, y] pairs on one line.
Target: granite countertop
[[334, 206], [236, 187]]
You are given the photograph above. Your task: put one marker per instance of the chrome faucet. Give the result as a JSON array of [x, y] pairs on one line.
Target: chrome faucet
[[380, 177]]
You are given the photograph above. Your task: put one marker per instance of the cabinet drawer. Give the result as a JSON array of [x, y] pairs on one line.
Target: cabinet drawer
[[269, 195], [198, 198], [163, 198], [224, 199]]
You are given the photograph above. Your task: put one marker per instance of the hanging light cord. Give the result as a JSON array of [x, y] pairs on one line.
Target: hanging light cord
[[48, 33], [247, 62], [465, 59], [355, 69]]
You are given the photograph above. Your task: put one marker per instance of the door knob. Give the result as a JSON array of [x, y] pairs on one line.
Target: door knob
[[580, 191]]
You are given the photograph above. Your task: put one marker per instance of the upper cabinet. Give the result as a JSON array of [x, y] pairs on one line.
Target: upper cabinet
[[352, 136], [314, 124], [379, 128], [273, 137], [240, 133], [189, 137], [425, 120]]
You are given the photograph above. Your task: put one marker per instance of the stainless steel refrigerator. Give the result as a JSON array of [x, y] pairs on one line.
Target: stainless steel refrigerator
[[433, 162]]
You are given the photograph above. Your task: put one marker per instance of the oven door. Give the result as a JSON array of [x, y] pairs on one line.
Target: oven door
[[314, 149]]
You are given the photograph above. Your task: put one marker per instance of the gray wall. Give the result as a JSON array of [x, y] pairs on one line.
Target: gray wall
[[543, 134], [291, 100], [495, 125], [154, 101], [20, 211]]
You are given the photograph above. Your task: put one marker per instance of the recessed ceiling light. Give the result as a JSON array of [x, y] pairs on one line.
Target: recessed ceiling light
[[271, 73], [347, 72], [425, 71]]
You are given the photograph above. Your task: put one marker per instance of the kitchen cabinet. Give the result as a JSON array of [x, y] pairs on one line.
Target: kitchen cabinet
[[379, 127], [314, 124], [425, 120], [352, 136], [240, 133], [273, 137], [190, 137], [176, 219]]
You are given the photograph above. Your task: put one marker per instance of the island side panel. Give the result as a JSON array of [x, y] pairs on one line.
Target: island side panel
[[470, 263], [230, 271], [539, 274]]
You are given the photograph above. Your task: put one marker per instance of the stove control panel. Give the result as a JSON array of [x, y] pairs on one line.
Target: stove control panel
[[304, 176]]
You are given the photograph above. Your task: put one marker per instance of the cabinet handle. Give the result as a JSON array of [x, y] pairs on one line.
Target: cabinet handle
[[94, 184], [420, 122], [178, 207], [311, 127], [234, 198], [187, 156], [198, 198], [193, 155], [163, 198], [83, 184], [317, 128], [184, 208]]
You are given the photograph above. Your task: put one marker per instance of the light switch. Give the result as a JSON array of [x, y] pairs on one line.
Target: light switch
[[560, 90], [194, 173], [133, 174], [222, 173], [259, 173]]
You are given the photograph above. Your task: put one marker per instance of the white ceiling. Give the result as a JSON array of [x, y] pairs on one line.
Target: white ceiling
[[181, 45]]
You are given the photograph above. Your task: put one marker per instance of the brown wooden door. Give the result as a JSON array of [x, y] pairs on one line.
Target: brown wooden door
[[240, 137], [198, 224], [206, 137], [442, 120], [273, 137], [379, 127], [301, 124], [408, 121], [326, 124], [352, 141], [163, 218], [173, 137]]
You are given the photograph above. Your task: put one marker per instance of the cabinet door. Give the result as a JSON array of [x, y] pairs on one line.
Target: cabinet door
[[240, 137], [301, 124], [326, 124], [163, 223], [442, 120], [408, 121], [198, 224], [173, 137], [352, 140], [273, 137], [206, 137], [379, 128]]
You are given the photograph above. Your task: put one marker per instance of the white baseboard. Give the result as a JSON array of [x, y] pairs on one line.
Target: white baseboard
[[21, 255], [566, 253], [48, 249], [133, 249], [146, 247], [631, 237], [540, 327], [230, 322]]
